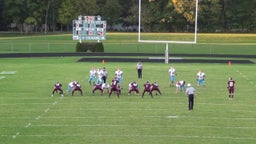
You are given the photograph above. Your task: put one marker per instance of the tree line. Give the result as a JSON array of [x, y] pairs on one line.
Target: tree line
[[157, 15]]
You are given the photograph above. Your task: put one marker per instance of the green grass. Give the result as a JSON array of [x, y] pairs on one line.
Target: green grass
[[128, 42], [30, 115]]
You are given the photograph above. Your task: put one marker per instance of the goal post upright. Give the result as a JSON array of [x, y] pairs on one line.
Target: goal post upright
[[165, 41]]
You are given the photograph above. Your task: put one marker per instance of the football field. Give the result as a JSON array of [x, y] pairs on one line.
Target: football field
[[29, 115]]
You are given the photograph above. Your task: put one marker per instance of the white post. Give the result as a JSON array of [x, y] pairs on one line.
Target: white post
[[166, 54], [195, 37]]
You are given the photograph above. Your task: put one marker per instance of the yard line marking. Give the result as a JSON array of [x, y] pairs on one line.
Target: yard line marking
[[24, 104], [14, 136], [140, 117], [149, 136], [28, 125], [2, 77], [8, 72], [47, 110], [38, 117], [172, 117], [54, 103], [145, 126], [245, 77]]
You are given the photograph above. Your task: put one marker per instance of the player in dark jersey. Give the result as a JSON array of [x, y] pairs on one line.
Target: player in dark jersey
[[115, 87], [147, 87], [77, 87], [231, 88], [57, 87], [133, 86], [97, 87], [155, 87]]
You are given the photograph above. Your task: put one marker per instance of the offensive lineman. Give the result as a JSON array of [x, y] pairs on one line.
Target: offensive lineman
[[147, 87], [180, 86], [133, 86], [57, 87], [77, 87], [155, 87], [115, 87]]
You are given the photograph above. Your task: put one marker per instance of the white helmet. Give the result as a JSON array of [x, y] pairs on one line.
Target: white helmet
[[189, 85]]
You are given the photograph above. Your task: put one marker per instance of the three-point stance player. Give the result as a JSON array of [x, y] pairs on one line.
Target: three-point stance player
[[77, 87], [147, 87], [57, 87], [97, 86], [133, 86], [115, 87], [155, 87], [231, 88], [180, 86], [105, 86]]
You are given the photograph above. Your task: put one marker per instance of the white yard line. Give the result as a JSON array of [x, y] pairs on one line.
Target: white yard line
[[246, 78], [2, 77], [145, 126], [28, 125], [138, 135], [8, 72]]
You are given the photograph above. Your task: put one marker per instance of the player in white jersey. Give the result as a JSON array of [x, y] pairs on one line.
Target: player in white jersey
[[119, 75], [100, 75], [180, 86], [71, 86], [92, 76], [172, 74], [200, 78], [105, 86]]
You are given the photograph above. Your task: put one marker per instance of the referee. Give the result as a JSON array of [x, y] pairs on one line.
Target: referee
[[139, 68], [190, 91]]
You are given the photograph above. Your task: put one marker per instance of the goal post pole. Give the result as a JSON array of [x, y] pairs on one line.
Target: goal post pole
[[166, 53]]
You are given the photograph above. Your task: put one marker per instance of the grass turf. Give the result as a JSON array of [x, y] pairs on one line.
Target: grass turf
[[127, 42], [30, 115]]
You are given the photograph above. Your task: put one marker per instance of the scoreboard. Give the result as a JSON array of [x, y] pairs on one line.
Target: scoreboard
[[89, 28]]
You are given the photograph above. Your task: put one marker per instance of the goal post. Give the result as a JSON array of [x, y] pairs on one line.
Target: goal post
[[194, 41]]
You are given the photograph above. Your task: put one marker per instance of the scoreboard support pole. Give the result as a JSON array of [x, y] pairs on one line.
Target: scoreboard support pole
[[166, 59]]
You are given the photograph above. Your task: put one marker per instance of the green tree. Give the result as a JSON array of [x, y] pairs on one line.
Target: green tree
[[85, 7], [66, 13], [209, 15], [239, 15], [129, 12], [111, 11], [27, 14]]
